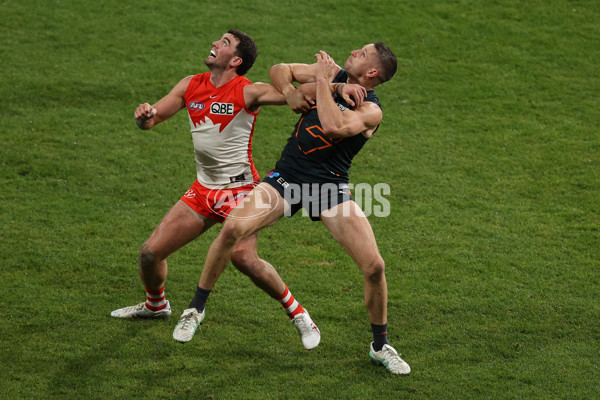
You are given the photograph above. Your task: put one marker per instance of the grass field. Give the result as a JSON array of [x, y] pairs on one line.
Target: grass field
[[490, 144]]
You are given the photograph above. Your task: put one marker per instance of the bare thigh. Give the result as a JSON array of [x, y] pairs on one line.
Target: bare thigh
[[350, 227], [262, 207], [179, 226]]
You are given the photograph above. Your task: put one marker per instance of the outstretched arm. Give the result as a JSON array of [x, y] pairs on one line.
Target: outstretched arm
[[147, 116], [262, 94]]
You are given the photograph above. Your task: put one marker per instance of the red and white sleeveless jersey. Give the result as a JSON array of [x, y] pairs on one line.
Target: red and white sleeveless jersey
[[222, 129]]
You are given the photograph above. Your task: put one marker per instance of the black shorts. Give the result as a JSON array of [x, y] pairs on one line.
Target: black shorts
[[312, 197]]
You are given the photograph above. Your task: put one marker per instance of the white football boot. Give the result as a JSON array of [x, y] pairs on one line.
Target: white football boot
[[309, 333], [189, 321], [141, 311], [389, 357]]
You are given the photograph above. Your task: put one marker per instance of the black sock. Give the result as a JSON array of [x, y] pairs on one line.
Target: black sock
[[200, 297], [379, 336]]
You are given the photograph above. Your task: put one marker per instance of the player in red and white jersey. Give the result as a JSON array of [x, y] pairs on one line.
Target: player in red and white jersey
[[222, 106], [222, 126]]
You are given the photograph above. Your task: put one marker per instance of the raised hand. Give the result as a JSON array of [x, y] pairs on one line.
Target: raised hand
[[326, 67]]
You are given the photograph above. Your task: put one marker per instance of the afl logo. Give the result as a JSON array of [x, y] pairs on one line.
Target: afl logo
[[222, 201], [196, 106]]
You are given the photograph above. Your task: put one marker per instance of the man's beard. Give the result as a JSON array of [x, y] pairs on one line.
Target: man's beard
[[213, 64]]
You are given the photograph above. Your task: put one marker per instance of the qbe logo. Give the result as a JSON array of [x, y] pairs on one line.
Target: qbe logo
[[221, 108]]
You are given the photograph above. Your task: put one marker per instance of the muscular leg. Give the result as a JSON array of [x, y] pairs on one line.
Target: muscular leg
[[352, 230], [262, 207], [245, 259], [349, 226], [179, 226]]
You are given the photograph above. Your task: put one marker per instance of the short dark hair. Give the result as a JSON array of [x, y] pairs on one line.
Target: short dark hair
[[387, 61], [246, 50]]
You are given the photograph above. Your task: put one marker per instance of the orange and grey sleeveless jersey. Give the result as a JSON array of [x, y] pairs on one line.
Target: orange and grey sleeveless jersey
[[222, 129], [311, 156]]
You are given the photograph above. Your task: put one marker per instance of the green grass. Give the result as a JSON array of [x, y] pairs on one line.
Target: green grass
[[490, 144]]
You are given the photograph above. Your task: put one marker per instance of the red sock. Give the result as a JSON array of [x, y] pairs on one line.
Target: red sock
[[155, 299], [287, 300]]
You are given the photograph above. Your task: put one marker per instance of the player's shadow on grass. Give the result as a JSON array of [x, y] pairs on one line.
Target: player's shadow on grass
[[121, 363]]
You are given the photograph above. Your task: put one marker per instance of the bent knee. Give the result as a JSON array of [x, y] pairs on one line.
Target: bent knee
[[233, 231], [374, 270], [147, 255]]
